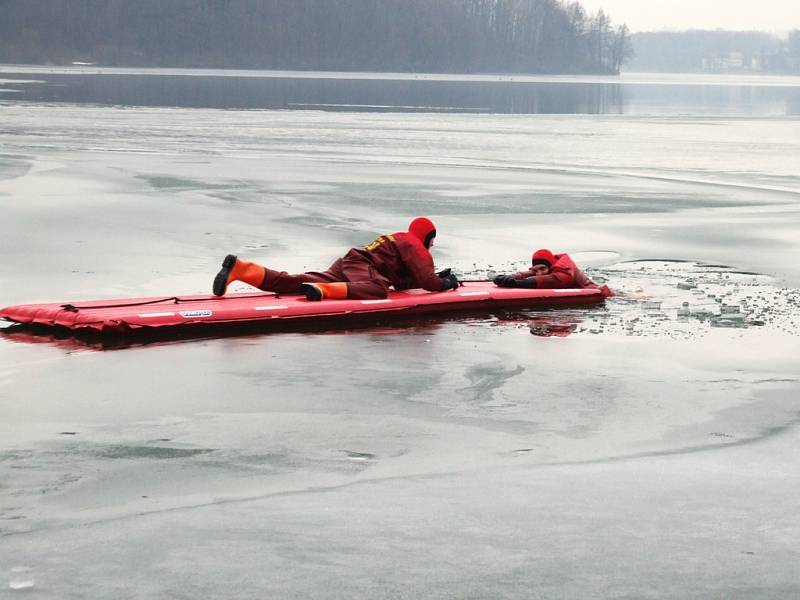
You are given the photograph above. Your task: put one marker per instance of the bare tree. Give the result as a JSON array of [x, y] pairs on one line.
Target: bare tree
[[407, 35]]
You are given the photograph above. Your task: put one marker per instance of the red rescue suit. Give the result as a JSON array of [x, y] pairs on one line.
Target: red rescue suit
[[400, 259], [564, 273]]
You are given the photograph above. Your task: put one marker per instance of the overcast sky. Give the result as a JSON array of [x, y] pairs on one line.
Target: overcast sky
[[654, 15]]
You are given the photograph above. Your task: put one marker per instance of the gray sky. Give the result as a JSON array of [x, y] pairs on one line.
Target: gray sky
[[654, 15]]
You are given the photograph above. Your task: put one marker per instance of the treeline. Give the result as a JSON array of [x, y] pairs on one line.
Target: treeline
[[715, 51], [533, 36]]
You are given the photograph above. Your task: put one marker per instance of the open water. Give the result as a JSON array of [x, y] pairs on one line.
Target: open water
[[645, 448]]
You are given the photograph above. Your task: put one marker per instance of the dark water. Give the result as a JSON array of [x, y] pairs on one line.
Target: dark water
[[630, 95]]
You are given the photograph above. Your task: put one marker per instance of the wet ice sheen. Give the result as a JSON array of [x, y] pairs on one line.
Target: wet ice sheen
[[21, 578]]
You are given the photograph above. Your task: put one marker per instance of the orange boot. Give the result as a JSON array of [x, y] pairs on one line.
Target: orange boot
[[331, 291], [234, 269]]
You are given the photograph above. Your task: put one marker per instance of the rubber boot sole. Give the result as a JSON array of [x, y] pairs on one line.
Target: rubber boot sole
[[221, 280]]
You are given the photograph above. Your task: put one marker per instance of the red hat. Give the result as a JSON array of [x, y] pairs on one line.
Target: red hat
[[543, 257], [423, 229]]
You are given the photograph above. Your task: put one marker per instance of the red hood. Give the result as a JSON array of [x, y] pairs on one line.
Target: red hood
[[421, 228], [545, 255]]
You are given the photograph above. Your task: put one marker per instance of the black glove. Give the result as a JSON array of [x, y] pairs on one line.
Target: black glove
[[505, 281], [526, 282], [444, 273], [450, 282]]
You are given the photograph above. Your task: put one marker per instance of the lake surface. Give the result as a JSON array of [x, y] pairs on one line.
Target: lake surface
[[631, 94], [644, 448]]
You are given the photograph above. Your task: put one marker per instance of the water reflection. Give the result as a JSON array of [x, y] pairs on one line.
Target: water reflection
[[82, 340], [554, 325], [489, 95], [322, 94]]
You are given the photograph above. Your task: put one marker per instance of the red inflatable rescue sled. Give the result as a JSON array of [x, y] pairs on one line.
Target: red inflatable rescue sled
[[128, 315]]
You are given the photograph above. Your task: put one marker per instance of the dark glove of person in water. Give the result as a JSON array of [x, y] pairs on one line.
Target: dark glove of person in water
[[526, 282], [505, 281], [450, 282], [444, 273]]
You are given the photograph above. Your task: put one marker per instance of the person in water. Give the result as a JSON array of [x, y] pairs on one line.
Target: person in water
[[553, 271], [401, 260]]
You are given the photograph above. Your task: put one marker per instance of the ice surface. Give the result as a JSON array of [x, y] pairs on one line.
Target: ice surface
[[21, 578], [647, 448]]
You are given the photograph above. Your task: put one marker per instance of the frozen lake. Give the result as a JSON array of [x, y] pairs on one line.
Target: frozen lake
[[647, 448]]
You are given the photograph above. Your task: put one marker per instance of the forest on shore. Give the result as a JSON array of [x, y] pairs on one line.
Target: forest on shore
[[455, 36]]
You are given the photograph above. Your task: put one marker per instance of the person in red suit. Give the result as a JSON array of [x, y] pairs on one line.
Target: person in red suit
[[553, 271], [401, 260]]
